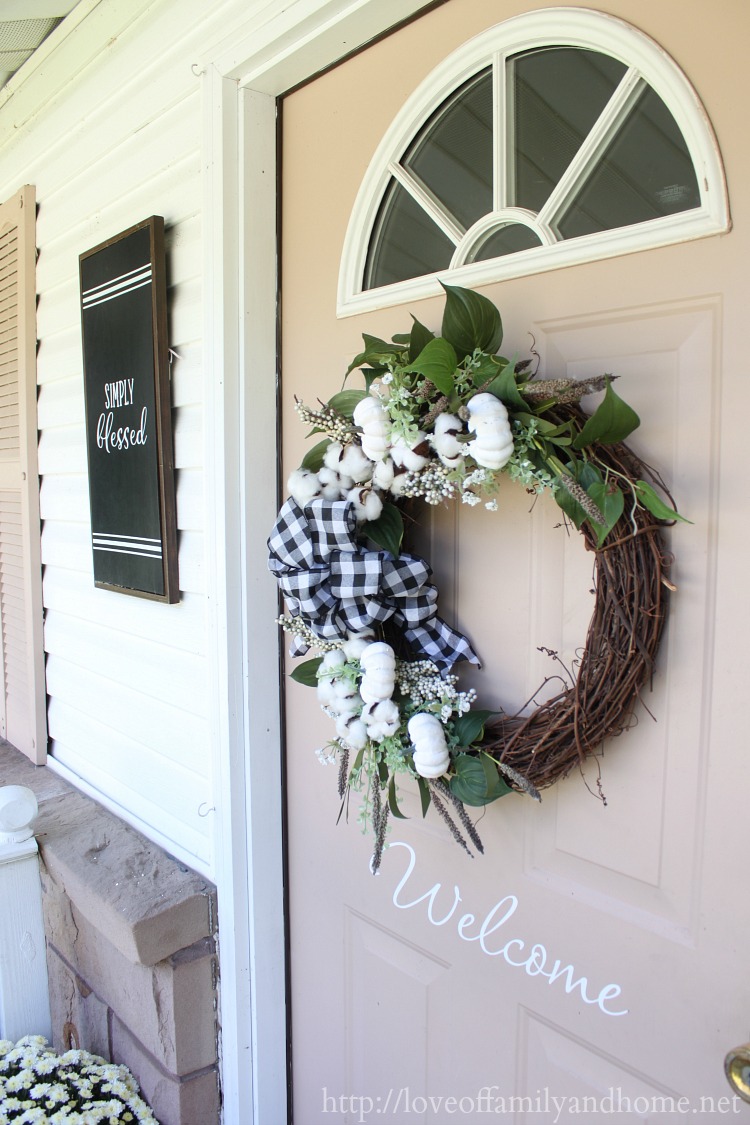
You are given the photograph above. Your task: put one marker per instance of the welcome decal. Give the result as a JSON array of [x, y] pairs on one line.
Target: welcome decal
[[494, 936]]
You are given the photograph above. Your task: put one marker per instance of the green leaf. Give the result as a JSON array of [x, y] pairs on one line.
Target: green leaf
[[612, 421], [476, 781], [470, 321], [375, 352], [345, 401], [307, 673], [610, 504], [437, 362], [387, 530], [488, 366], [469, 728], [496, 785], [424, 795], [654, 503], [506, 389], [571, 507], [393, 802], [418, 339], [313, 459]]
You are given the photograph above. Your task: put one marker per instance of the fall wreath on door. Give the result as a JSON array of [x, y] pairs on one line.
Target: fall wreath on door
[[439, 418]]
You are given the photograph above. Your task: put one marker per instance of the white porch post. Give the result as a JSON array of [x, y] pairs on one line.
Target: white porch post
[[24, 992]]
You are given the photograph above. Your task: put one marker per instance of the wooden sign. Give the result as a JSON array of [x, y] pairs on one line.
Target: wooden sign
[[128, 413]]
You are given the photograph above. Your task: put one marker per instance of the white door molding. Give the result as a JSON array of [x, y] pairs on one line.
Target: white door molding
[[240, 87]]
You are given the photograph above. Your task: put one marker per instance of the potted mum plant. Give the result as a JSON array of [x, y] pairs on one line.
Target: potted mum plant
[[38, 1086]]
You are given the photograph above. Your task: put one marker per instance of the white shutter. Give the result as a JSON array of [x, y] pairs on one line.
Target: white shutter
[[23, 719]]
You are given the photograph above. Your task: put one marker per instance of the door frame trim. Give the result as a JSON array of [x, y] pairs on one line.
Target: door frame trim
[[240, 86]]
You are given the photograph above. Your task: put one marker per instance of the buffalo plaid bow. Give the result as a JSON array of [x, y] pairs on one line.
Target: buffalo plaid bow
[[337, 587]]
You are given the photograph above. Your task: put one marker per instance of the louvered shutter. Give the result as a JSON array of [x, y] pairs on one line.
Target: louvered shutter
[[23, 719]]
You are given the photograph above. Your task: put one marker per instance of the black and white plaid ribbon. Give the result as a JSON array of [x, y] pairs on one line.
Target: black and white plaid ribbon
[[337, 587]]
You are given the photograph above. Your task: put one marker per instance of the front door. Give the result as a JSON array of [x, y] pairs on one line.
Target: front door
[[404, 1008]]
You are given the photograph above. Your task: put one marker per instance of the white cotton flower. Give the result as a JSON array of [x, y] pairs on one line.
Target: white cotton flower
[[445, 437], [332, 485], [355, 645], [346, 699], [382, 719], [332, 455], [413, 455], [326, 693], [355, 464], [353, 731], [382, 476], [333, 660], [349, 461], [399, 483], [303, 486], [367, 504]]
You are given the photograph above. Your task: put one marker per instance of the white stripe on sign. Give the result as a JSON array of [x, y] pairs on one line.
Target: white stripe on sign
[[125, 545], [118, 291], [113, 280]]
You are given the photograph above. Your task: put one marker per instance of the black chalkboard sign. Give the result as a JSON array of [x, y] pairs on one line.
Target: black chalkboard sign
[[128, 413]]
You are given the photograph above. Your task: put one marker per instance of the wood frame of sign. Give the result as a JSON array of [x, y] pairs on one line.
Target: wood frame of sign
[[128, 413]]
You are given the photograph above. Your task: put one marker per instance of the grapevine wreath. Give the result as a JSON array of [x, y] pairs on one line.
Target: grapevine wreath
[[439, 418]]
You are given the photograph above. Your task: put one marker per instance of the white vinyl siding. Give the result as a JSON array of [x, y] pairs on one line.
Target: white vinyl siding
[[22, 698], [128, 679]]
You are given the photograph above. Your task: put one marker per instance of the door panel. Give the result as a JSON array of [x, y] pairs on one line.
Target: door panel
[[397, 994]]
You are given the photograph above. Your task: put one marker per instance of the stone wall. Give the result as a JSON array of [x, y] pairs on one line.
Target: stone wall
[[131, 948]]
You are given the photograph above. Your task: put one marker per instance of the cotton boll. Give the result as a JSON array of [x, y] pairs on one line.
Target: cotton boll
[[353, 731], [451, 462], [413, 456], [384, 715], [398, 484], [382, 476], [367, 504], [326, 694], [377, 732], [355, 464], [333, 487], [303, 486], [332, 455], [354, 646], [347, 700], [333, 660], [445, 440]]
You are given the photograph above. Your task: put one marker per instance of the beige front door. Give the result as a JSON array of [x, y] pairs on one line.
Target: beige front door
[[593, 961]]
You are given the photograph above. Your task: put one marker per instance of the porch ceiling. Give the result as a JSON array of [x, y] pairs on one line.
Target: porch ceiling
[[24, 25]]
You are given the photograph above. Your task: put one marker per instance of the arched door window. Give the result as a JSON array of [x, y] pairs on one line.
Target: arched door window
[[556, 137]]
